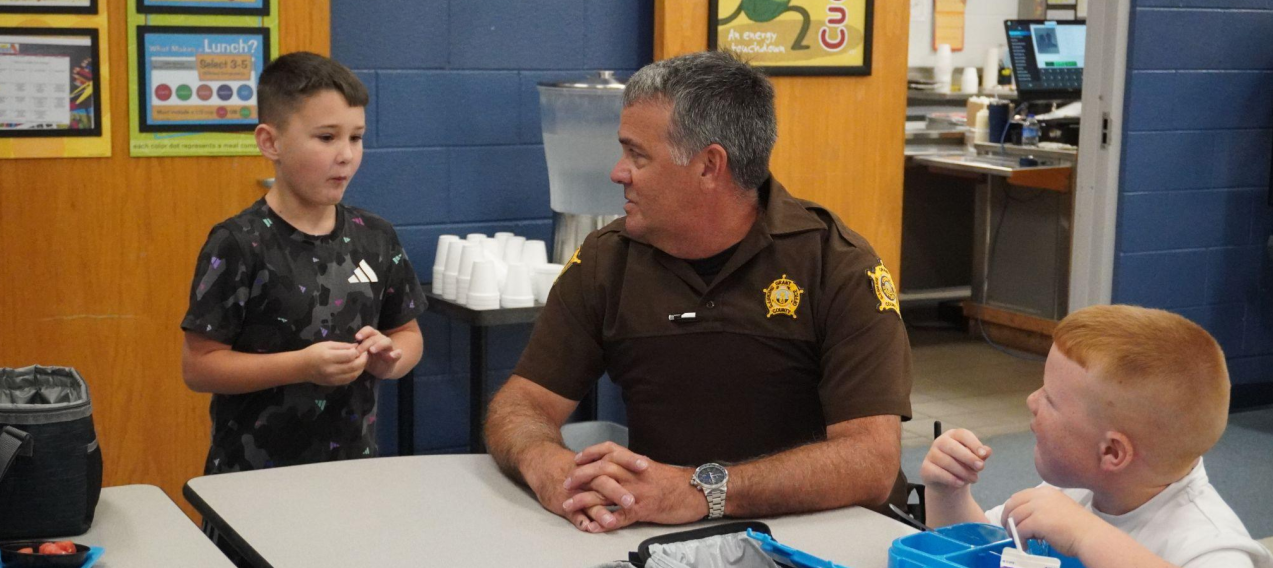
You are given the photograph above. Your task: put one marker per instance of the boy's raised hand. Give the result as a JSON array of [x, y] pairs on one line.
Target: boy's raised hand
[[333, 363], [382, 356], [954, 461]]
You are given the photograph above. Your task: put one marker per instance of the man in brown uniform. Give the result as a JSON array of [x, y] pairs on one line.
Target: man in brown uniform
[[753, 334]]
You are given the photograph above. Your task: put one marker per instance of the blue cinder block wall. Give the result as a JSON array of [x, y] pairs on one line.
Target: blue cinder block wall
[[1193, 214], [454, 146]]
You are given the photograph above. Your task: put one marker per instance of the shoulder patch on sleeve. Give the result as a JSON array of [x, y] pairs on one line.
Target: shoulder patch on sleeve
[[885, 289], [574, 259]]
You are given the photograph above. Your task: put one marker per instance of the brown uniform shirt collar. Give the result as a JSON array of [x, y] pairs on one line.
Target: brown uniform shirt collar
[[781, 214]]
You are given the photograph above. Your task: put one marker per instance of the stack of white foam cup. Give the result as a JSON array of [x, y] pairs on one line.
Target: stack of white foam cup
[[488, 273], [513, 249], [483, 290], [517, 291], [439, 262], [453, 251], [534, 253], [469, 253]]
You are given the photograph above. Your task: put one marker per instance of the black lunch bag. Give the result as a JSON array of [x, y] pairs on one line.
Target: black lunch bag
[[50, 464]]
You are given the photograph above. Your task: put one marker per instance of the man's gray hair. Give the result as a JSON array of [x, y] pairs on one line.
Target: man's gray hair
[[716, 98]]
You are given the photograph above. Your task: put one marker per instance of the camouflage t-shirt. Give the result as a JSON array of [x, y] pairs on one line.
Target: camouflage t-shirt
[[262, 286]]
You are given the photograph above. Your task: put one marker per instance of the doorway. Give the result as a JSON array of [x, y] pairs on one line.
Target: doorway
[[962, 377]]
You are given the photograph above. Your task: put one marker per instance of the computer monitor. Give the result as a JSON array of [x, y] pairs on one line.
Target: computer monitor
[[1047, 58]]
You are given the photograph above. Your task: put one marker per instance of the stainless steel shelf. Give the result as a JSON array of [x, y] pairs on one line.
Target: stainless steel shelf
[[933, 96]]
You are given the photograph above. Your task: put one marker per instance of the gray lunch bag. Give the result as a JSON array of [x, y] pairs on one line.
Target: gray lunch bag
[[50, 464]]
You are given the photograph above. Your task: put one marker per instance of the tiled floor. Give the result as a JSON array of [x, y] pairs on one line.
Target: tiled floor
[[965, 383]]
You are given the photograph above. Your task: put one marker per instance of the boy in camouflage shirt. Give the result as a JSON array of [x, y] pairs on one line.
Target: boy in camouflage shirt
[[300, 304]]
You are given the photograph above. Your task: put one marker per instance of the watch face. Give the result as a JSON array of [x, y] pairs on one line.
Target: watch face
[[711, 474]]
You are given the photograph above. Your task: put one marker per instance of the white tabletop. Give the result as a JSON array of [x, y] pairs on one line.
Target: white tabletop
[[140, 527], [459, 510]]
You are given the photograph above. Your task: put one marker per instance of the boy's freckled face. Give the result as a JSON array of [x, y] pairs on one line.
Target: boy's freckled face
[[1067, 449], [320, 148]]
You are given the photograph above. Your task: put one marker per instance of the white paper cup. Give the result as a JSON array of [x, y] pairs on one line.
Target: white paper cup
[[453, 251], [990, 70], [439, 261], [468, 254], [475, 238], [490, 248], [943, 68], [501, 238], [501, 272], [542, 278], [517, 292], [969, 81], [483, 291], [513, 249], [534, 253]]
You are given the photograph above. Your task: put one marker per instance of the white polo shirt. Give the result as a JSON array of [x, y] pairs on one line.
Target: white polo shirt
[[1188, 525]]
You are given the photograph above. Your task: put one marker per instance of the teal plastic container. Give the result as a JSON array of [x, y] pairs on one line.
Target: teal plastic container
[[968, 545]]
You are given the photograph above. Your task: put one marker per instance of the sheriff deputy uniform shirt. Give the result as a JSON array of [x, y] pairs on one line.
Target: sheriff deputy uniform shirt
[[799, 330]]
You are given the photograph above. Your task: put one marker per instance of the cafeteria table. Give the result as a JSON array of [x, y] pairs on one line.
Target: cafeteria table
[[138, 526], [458, 510]]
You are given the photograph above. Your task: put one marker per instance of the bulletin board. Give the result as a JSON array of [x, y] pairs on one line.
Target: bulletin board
[[54, 81], [48, 6], [205, 7], [193, 74]]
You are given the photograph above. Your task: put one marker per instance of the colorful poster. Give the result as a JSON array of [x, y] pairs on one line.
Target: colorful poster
[[194, 78], [48, 82], [795, 37], [48, 6], [205, 7], [199, 79], [54, 86]]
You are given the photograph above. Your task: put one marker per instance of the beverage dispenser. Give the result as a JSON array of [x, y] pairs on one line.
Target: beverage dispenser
[[580, 121]]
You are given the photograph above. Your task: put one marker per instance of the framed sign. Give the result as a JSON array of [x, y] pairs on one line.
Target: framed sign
[[199, 79], [48, 6], [205, 7], [50, 82], [795, 37]]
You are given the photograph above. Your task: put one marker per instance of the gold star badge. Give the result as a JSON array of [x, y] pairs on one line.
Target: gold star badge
[[885, 290], [782, 297]]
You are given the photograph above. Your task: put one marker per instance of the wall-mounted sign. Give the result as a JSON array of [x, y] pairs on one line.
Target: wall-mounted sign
[[795, 37], [48, 6], [193, 76], [49, 82], [199, 79], [205, 7]]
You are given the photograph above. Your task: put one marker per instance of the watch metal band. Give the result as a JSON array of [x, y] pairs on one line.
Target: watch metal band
[[715, 503]]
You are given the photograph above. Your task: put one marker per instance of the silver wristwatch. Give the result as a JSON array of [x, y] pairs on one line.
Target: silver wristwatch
[[710, 478]]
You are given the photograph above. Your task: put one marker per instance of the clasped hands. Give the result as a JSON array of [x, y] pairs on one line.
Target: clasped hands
[[609, 487], [334, 363]]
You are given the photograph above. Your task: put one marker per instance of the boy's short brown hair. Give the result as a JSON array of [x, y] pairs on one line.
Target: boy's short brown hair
[[1163, 378], [287, 81]]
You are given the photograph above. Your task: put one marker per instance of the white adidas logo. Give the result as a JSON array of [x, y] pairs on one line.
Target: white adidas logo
[[363, 274]]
